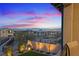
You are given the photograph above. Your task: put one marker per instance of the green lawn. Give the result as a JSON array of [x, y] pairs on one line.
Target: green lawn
[[31, 53]]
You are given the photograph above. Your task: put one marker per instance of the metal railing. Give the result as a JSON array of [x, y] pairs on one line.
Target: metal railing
[[66, 51]]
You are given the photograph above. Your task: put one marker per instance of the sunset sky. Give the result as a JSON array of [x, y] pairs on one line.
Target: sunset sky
[[29, 15]]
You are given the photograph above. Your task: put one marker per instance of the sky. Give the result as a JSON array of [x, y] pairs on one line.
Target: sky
[[29, 15]]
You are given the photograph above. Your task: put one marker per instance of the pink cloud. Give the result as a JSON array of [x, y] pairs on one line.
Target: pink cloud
[[32, 20], [18, 25], [30, 13]]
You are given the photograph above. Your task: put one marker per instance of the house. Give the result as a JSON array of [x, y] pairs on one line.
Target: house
[[44, 47], [4, 32]]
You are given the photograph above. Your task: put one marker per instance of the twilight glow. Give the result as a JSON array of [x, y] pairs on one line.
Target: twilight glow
[[29, 15]]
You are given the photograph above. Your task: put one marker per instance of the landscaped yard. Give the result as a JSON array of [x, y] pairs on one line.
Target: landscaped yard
[[31, 53]]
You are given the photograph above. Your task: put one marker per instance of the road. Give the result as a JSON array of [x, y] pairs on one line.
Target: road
[[4, 42]]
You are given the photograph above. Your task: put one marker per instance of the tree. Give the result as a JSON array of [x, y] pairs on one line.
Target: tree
[[21, 47], [9, 51]]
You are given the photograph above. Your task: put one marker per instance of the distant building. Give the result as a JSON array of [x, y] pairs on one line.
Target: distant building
[[45, 41], [6, 32], [45, 34]]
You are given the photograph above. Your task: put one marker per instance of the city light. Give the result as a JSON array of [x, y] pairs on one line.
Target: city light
[[29, 48]]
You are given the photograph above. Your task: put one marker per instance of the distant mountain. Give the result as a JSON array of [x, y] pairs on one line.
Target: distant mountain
[[36, 29]]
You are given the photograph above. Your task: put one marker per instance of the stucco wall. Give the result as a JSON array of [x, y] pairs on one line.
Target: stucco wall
[[46, 47], [71, 28]]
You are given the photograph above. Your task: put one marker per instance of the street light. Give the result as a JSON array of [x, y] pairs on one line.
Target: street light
[[29, 48]]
